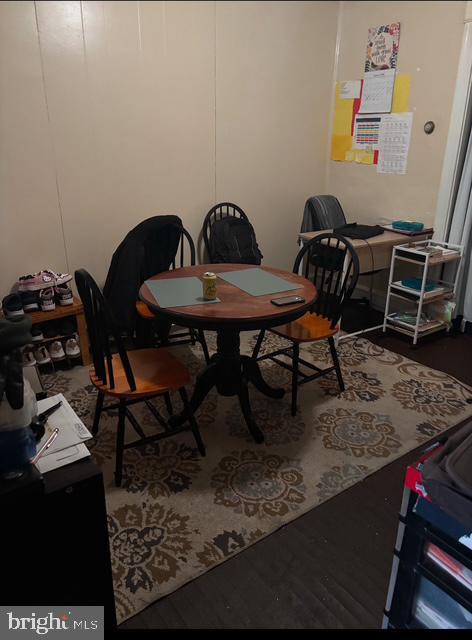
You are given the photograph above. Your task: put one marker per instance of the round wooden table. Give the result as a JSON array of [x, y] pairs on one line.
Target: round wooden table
[[228, 370]]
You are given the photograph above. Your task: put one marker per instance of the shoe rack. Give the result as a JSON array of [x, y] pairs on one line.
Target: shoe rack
[[59, 313]]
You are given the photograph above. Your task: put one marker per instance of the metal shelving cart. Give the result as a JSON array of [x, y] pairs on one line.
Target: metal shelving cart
[[428, 256]]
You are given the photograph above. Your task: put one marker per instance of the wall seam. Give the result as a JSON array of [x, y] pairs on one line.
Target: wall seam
[[214, 72], [51, 135], [339, 27]]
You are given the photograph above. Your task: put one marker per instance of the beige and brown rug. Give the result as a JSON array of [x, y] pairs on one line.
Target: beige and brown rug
[[178, 515]]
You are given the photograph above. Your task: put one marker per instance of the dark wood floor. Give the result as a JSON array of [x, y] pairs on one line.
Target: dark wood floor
[[329, 568]]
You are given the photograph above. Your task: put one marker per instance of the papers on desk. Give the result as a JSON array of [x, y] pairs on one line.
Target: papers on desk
[[69, 445]]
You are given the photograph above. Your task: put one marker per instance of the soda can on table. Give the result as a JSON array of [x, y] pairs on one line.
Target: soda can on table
[[209, 285]]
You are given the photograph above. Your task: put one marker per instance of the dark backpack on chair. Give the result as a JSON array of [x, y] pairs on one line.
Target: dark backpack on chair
[[233, 240]]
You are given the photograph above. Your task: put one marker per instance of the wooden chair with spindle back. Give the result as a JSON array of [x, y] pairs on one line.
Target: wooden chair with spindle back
[[331, 262], [129, 377], [218, 212], [184, 256]]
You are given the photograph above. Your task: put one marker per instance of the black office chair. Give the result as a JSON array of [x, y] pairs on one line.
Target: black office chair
[[322, 212], [331, 262], [129, 376], [326, 212], [162, 329], [218, 212]]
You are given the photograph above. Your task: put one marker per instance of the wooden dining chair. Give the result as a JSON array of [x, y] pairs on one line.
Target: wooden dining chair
[[185, 256], [129, 377], [218, 212], [331, 262]]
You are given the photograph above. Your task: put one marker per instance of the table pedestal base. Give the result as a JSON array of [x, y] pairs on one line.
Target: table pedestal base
[[230, 372]]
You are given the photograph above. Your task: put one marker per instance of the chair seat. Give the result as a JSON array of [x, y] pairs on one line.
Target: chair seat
[[144, 311], [308, 328], [155, 371]]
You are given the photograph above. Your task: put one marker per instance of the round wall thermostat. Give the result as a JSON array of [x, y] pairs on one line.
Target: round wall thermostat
[[429, 126]]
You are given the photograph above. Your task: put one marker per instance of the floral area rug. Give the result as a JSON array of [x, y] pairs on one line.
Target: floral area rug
[[177, 514]]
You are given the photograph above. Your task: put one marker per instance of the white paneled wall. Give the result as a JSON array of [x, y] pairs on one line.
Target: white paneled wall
[[111, 112]]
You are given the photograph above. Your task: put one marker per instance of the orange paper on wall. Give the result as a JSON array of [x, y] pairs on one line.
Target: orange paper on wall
[[339, 146], [364, 157], [401, 93], [342, 114]]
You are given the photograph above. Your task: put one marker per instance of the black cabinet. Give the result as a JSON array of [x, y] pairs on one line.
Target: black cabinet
[[54, 541], [431, 580]]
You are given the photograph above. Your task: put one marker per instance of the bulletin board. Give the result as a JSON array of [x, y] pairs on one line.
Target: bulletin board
[[372, 121]]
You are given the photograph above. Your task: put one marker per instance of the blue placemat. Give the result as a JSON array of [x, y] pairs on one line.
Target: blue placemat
[[178, 292], [257, 282]]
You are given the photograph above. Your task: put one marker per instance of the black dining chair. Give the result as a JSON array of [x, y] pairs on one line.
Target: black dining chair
[[325, 212], [218, 212], [184, 256], [130, 377], [331, 262]]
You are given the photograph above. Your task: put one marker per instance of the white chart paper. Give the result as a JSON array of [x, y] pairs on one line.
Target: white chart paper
[[351, 89], [394, 143], [377, 91]]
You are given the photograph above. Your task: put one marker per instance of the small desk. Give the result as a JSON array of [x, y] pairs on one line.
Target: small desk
[[228, 370], [374, 253]]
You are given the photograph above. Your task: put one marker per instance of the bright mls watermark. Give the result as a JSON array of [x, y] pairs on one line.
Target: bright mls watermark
[[55, 622]]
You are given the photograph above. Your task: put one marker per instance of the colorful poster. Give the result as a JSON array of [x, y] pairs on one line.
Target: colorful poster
[[382, 47], [366, 131]]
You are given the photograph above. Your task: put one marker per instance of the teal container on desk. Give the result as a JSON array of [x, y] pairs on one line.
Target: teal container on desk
[[405, 225]]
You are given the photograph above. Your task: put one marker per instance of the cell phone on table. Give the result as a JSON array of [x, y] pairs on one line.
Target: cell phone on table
[[281, 302]]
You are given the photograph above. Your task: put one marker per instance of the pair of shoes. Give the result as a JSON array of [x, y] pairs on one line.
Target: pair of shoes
[[54, 328], [15, 304], [72, 349], [42, 355], [42, 280], [62, 294]]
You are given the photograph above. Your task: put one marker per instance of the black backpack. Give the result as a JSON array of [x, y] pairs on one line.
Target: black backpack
[[233, 240]]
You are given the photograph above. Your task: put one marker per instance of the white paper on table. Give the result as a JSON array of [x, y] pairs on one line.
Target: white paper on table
[[72, 430], [350, 89], [377, 91], [394, 143], [366, 131], [61, 458]]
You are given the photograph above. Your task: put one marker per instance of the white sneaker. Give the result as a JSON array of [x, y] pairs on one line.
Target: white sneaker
[[72, 348], [42, 356], [56, 351]]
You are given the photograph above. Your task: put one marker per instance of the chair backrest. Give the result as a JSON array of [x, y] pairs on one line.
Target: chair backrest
[[186, 246], [218, 212], [153, 246], [322, 212], [101, 326], [332, 264]]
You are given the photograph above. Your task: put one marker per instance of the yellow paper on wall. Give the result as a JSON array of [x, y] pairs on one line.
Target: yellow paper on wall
[[339, 146], [401, 93], [349, 157], [364, 157], [342, 114]]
